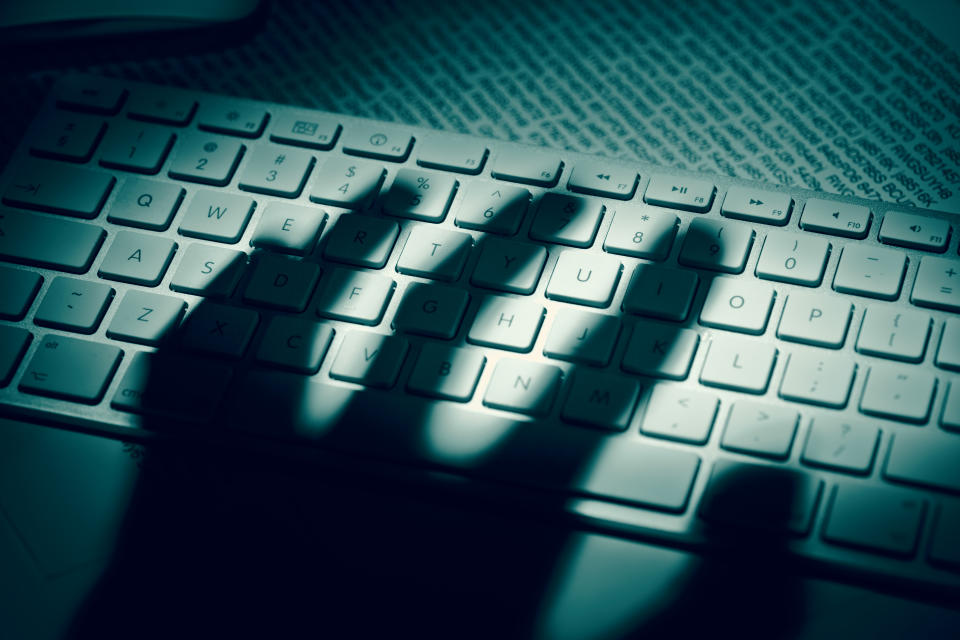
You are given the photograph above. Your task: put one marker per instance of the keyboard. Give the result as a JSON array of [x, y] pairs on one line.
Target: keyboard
[[603, 338]]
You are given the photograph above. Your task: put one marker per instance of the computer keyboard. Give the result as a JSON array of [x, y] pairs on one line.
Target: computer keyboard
[[602, 336]]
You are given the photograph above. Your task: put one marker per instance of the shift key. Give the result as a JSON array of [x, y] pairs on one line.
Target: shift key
[[929, 460], [70, 368], [48, 242]]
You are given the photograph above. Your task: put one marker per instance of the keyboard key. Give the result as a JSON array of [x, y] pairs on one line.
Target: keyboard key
[[738, 304], [793, 258], [13, 344], [355, 296], [146, 318], [449, 373], [205, 158], [161, 104], [206, 270], [600, 400], [139, 258], [147, 204], [946, 531], [716, 246], [915, 231], [948, 353], [660, 351], [232, 117], [755, 205], [19, 288], [186, 388], [950, 418], [364, 241], [506, 323], [679, 414], [296, 344], [69, 368], [74, 305], [819, 379], [463, 155], [216, 215], [346, 182], [372, 141], [836, 218], [431, 310], [435, 253], [738, 364], [67, 136], [641, 233], [539, 168], [760, 429], [815, 319], [305, 129], [680, 193], [840, 445], [898, 393], [276, 171], [289, 228], [370, 359], [582, 336], [48, 242], [45, 185], [419, 195], [899, 335], [582, 278], [566, 219], [219, 330], [282, 283], [874, 518], [507, 265], [134, 146], [600, 179], [937, 284], [86, 93], [492, 207], [917, 458], [661, 292], [870, 271], [523, 386]]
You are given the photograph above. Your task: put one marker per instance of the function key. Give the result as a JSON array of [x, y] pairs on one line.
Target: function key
[[94, 95], [527, 166], [232, 117], [915, 231], [680, 193], [602, 180], [372, 142], [305, 129], [462, 155], [836, 218], [162, 104], [768, 207]]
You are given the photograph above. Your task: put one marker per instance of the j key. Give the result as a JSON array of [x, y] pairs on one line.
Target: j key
[[680, 193], [679, 414], [305, 129], [346, 182], [937, 284], [599, 179], [522, 386], [566, 219], [717, 246], [661, 292], [289, 228], [276, 171], [215, 215], [372, 141], [870, 271], [460, 155], [794, 259], [582, 336], [162, 104], [205, 158], [538, 168], [59, 188], [753, 205], [915, 231], [641, 232], [19, 288], [493, 207], [48, 242], [370, 359], [899, 335], [232, 117], [134, 146], [145, 203], [68, 136], [364, 241], [836, 218], [70, 368], [146, 318]]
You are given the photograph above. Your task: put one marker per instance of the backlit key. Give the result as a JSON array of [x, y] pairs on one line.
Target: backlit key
[[737, 304], [738, 364], [793, 258], [145, 203], [507, 265], [899, 335], [289, 228], [139, 258], [435, 253], [816, 320]]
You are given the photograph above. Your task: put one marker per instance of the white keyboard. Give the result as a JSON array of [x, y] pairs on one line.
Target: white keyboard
[[616, 335]]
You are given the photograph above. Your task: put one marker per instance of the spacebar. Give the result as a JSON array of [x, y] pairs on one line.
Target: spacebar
[[620, 468]]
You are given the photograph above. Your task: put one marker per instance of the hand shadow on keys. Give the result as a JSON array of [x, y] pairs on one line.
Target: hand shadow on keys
[[244, 541]]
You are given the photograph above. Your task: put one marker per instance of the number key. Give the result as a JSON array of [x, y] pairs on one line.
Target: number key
[[276, 171], [346, 182], [793, 258], [206, 158]]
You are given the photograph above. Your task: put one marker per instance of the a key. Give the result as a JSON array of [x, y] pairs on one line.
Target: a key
[[56, 187], [660, 351], [282, 283], [661, 292], [93, 95], [449, 373], [760, 429], [937, 284], [205, 158], [139, 258], [601, 179], [679, 414], [874, 518], [836, 218], [738, 304], [948, 353], [431, 310], [898, 393], [19, 288], [67, 136], [364, 241], [462, 155], [815, 319], [507, 265], [370, 359], [793, 258], [917, 458], [492, 207], [216, 215], [219, 330], [641, 232], [567, 219], [419, 195], [48, 242], [13, 344], [950, 418], [134, 146], [506, 323], [435, 253], [601, 400], [583, 278], [232, 117], [147, 204], [840, 445], [738, 364], [276, 171], [754, 205], [206, 270], [716, 246], [161, 104], [680, 193], [70, 368], [186, 388], [915, 231], [539, 168], [523, 386], [374, 141], [890, 333], [346, 182], [146, 318], [305, 129], [819, 379], [355, 296], [74, 305], [295, 344], [870, 271], [289, 228], [582, 336], [943, 548]]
